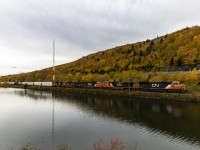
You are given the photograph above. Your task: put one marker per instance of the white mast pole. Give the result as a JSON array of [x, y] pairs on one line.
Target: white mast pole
[[53, 60]]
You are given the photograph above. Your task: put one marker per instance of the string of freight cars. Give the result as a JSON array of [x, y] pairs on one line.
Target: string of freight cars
[[174, 86]]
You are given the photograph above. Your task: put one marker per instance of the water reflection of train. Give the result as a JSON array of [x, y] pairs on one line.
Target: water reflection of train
[[179, 120], [175, 109], [175, 86], [128, 105], [35, 94]]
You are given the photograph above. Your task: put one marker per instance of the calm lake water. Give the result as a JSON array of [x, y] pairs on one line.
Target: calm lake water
[[47, 120]]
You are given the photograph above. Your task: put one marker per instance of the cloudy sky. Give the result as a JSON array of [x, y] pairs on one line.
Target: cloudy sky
[[81, 27]]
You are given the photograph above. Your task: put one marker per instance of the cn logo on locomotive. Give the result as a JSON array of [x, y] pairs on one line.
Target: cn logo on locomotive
[[155, 85], [119, 84], [89, 84]]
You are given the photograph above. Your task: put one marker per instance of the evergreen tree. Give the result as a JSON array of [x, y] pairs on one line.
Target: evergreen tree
[[171, 63], [161, 40], [179, 62]]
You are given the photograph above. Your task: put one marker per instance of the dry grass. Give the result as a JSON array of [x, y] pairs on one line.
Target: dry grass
[[115, 144]]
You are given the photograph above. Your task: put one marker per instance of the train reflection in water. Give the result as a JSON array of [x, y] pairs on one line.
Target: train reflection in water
[[179, 120]]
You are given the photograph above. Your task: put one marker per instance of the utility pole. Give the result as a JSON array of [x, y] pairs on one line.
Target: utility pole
[[53, 60]]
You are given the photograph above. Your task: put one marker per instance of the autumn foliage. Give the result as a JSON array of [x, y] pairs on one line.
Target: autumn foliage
[[174, 56]]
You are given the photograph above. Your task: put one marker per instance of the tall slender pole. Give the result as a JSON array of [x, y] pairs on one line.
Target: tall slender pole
[[53, 60], [53, 118]]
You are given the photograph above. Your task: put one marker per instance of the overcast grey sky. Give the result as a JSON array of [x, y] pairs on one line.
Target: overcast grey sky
[[81, 27]]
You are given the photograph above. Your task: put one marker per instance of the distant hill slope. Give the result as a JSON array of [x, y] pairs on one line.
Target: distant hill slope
[[176, 51]]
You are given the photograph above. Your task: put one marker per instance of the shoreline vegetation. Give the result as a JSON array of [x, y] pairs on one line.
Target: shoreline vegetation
[[114, 144], [187, 77], [192, 94]]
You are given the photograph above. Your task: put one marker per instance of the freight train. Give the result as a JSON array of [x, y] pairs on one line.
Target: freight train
[[174, 86]]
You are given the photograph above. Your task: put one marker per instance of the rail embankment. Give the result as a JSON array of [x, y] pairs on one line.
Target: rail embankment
[[192, 94]]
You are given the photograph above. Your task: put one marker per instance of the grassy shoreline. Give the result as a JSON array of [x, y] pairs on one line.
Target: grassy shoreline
[[193, 94]]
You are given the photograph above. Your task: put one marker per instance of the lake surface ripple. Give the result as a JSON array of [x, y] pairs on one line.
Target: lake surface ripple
[[46, 120]]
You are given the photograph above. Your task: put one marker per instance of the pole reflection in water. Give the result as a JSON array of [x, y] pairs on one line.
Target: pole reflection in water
[[81, 120], [53, 119], [172, 118]]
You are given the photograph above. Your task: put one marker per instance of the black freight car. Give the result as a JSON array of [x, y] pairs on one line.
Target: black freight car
[[154, 86], [122, 85]]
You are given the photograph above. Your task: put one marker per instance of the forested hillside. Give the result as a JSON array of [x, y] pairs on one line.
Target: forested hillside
[[153, 59]]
